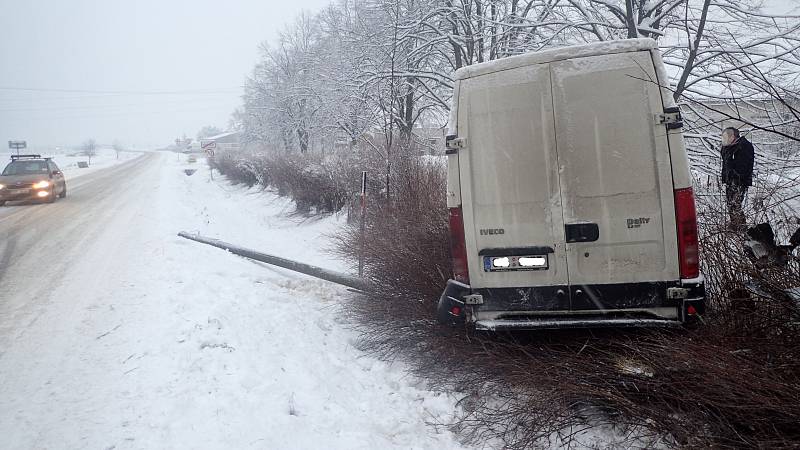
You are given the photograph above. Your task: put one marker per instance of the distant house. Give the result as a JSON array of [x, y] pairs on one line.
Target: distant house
[[224, 142]]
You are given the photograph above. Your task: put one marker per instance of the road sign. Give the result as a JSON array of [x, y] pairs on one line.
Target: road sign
[[17, 145], [210, 145]]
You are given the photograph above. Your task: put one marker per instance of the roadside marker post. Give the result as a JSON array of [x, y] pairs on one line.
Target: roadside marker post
[[363, 221], [209, 147]]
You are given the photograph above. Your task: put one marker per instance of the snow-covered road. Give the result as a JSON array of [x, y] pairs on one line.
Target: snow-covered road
[[115, 333]]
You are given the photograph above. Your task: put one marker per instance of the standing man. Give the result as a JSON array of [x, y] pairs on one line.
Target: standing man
[[737, 172]]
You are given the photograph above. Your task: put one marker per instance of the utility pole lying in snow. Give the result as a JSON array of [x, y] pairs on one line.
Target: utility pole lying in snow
[[356, 283]]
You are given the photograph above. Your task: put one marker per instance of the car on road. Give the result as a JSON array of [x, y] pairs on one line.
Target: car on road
[[569, 193], [31, 177]]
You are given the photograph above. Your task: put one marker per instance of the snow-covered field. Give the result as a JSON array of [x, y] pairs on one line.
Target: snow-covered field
[[68, 161], [147, 340]]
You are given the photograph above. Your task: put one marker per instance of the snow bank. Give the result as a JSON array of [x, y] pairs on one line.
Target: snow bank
[[68, 161], [105, 157]]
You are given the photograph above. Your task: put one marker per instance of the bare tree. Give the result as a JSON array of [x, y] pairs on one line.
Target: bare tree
[[118, 147], [89, 149], [366, 69]]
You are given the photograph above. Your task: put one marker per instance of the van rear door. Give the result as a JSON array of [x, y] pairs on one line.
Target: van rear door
[[510, 188], [615, 181]]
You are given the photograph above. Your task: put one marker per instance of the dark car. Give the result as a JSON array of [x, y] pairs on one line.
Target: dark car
[[31, 177]]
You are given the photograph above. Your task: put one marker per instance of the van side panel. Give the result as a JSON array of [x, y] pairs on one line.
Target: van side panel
[[509, 177], [615, 172]]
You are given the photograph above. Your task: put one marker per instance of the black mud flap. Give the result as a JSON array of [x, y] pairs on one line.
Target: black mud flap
[[694, 306], [451, 309]]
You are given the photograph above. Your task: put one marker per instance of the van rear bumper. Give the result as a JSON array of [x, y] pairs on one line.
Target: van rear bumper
[[517, 309], [557, 323]]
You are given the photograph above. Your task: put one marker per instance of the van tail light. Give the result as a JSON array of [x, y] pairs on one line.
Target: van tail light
[[688, 246], [458, 246]]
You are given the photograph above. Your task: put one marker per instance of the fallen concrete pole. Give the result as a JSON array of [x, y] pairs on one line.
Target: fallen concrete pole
[[314, 271]]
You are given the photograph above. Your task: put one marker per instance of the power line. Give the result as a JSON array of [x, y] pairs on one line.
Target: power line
[[103, 106], [116, 114], [87, 91]]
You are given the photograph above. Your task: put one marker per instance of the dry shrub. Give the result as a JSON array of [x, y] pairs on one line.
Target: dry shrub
[[734, 382], [746, 297], [236, 168], [312, 181], [731, 383], [407, 247]]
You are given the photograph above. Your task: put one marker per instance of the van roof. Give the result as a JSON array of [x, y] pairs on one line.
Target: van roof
[[556, 54]]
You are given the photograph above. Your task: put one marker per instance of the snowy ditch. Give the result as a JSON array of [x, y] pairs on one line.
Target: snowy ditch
[[285, 328], [556, 389], [470, 402]]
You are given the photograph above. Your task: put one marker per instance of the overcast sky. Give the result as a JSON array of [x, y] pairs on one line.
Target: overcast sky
[[140, 71], [150, 69]]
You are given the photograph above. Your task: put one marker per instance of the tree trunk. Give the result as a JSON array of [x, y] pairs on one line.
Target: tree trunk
[[633, 32], [302, 139]]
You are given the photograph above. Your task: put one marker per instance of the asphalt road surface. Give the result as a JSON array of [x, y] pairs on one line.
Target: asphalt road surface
[[41, 245]]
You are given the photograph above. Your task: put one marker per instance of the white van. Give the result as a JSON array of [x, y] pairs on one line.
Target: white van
[[569, 193]]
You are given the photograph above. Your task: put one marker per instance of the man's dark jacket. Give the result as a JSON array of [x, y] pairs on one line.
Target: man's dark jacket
[[737, 163]]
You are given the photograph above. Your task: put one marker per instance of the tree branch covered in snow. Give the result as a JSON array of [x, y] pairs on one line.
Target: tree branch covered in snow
[[384, 67]]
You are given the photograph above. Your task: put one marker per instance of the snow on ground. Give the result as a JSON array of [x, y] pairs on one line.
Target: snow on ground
[[147, 340], [106, 157], [327, 392], [68, 161], [259, 220]]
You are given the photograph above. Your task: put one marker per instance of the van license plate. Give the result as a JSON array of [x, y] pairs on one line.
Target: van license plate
[[515, 263]]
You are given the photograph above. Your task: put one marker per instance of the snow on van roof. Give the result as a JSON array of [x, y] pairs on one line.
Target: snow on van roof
[[556, 54]]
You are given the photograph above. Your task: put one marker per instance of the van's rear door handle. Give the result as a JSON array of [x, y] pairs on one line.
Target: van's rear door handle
[[581, 232]]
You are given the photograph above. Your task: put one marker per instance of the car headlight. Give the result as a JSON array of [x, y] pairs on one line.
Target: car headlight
[[41, 185], [2, 187]]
